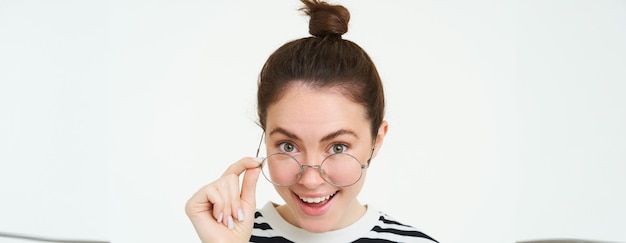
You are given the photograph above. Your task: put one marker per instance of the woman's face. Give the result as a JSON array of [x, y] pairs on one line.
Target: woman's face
[[310, 124]]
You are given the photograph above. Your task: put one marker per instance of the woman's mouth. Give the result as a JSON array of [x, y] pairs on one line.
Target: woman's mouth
[[317, 205], [316, 199]]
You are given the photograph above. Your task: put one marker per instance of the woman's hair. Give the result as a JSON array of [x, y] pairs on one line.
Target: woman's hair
[[324, 60]]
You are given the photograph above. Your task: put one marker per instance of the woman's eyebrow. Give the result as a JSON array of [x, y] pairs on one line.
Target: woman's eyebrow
[[324, 139], [339, 133], [286, 133]]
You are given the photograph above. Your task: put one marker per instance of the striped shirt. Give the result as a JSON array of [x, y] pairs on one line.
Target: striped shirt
[[374, 226]]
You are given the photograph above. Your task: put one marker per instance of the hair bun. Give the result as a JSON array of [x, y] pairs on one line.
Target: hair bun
[[326, 19]]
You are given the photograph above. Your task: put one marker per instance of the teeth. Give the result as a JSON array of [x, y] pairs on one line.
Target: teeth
[[316, 199]]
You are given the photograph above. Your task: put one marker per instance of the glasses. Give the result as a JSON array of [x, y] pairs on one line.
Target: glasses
[[340, 169]]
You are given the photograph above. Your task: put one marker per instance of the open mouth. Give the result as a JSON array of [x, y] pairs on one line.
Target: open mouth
[[316, 206], [317, 200]]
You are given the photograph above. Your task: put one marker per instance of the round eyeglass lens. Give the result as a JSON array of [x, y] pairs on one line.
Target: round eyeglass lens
[[337, 169], [342, 169], [281, 169]]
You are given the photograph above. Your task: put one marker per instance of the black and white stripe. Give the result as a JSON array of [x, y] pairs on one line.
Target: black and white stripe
[[385, 229], [390, 230]]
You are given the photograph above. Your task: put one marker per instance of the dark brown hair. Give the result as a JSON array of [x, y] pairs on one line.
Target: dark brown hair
[[322, 61]]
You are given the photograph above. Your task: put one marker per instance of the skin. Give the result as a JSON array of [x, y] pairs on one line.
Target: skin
[[314, 122], [224, 196]]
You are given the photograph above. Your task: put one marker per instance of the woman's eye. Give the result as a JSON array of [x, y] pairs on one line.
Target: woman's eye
[[287, 147], [338, 148]]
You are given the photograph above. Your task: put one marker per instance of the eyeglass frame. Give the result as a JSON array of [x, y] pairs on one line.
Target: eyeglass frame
[[318, 167]]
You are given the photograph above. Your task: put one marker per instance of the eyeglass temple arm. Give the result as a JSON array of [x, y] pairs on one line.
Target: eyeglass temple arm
[[371, 154], [258, 149]]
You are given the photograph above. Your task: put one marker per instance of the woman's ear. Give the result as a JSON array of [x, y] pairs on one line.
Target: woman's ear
[[380, 136]]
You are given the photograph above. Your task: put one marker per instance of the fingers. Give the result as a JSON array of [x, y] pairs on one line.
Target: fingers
[[242, 165], [248, 185], [223, 200], [238, 197], [199, 209], [230, 204]]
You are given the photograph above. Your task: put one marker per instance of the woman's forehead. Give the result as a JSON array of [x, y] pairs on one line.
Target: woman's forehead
[[306, 109]]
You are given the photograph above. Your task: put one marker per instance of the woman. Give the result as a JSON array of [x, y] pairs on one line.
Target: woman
[[321, 107]]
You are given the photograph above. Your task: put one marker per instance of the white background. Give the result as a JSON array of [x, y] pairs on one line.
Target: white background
[[506, 117]]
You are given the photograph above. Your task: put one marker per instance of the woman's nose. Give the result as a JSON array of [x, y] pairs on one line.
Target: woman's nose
[[312, 175]]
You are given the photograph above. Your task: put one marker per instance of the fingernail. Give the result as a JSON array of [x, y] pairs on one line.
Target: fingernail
[[231, 224], [240, 214], [219, 218], [258, 159]]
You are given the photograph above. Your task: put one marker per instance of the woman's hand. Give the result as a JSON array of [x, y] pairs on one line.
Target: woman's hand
[[220, 211]]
